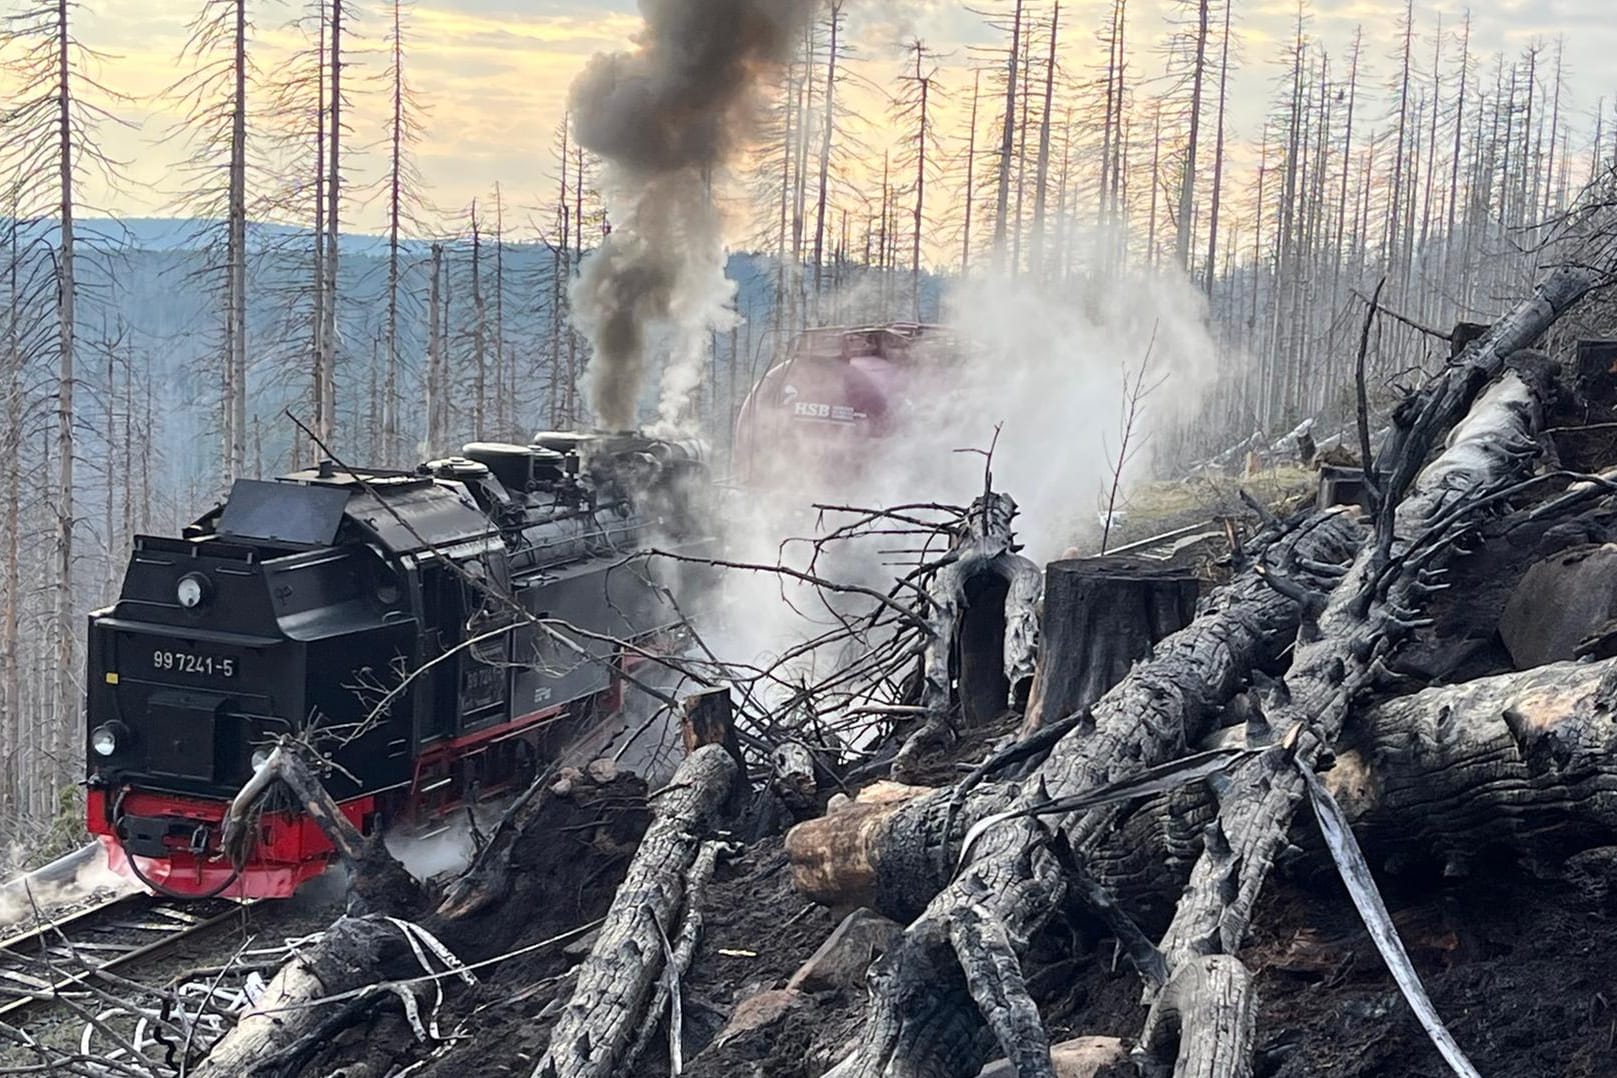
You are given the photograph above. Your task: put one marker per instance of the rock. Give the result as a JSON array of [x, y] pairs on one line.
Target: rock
[[1559, 602], [756, 1012], [1082, 1057], [566, 781], [602, 771], [847, 952]]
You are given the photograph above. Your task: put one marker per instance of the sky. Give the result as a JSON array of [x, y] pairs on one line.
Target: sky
[[495, 73]]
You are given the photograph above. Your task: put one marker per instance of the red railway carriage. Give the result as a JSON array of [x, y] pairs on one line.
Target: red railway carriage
[[837, 389]]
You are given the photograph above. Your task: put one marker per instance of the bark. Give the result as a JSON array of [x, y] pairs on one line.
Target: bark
[[378, 880], [65, 623], [971, 177], [1211, 269], [826, 136], [326, 420], [437, 404], [281, 1031], [236, 258], [524, 875], [395, 202], [599, 1023], [1101, 615], [1187, 179], [1209, 1001], [1041, 177], [1523, 764], [1007, 143]]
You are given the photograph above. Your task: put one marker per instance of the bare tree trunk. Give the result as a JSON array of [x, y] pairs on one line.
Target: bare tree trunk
[[318, 315], [66, 664], [437, 427], [1187, 180], [1391, 239], [925, 82], [971, 177], [1218, 154], [1042, 172], [1110, 124], [825, 152], [11, 447], [395, 195], [1007, 142], [326, 422], [236, 256], [479, 334], [578, 257], [1347, 152]]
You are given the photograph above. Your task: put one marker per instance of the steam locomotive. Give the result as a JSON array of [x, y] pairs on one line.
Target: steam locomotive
[[437, 633]]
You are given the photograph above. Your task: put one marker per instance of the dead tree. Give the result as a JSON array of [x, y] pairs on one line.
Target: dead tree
[[1365, 615], [1101, 615], [986, 551], [1162, 706]]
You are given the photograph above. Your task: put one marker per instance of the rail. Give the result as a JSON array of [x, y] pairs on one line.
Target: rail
[[55, 956]]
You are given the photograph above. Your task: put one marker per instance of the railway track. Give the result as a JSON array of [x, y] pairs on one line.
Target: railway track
[[64, 955]]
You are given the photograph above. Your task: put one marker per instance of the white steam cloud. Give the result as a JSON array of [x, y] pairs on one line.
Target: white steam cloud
[[665, 118], [1047, 361]]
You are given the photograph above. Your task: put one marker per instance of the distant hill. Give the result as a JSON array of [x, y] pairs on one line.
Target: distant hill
[[152, 279]]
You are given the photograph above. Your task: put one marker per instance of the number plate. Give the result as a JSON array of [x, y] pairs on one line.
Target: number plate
[[196, 663]]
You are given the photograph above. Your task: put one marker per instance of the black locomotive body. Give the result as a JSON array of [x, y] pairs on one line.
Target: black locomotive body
[[436, 633]]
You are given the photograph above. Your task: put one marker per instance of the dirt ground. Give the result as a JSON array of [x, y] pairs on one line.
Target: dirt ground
[[1517, 964], [1518, 968]]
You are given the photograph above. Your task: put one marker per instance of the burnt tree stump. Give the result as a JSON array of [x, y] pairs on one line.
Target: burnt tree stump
[[1101, 615]]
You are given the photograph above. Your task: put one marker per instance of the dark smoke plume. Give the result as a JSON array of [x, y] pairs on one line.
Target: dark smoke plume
[[665, 118]]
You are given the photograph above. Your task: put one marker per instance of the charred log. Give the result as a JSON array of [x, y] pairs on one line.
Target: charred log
[[597, 1027], [1163, 706], [369, 958]]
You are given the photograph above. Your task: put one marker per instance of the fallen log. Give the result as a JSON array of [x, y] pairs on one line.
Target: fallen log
[[549, 861], [282, 1029], [1356, 625], [1366, 616], [1524, 763], [597, 1027], [1521, 764], [930, 1007]]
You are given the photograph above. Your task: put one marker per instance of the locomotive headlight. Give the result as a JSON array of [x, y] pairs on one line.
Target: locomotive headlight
[[105, 739], [191, 590], [260, 758]]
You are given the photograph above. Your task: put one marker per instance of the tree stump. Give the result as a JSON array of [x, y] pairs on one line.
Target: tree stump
[[1100, 616]]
